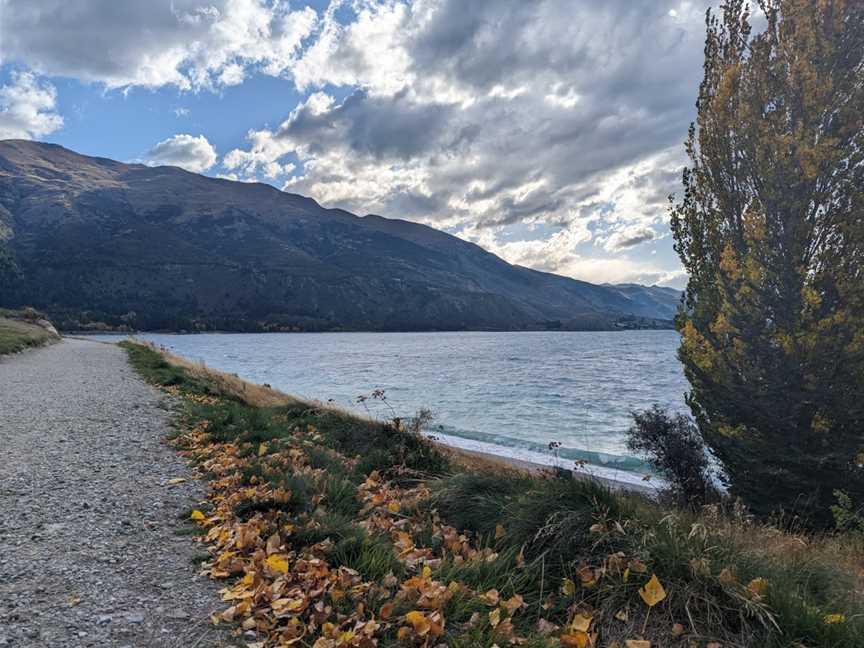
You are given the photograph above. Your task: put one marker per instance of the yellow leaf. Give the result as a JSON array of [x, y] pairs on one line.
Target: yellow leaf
[[278, 563], [394, 507], [177, 480], [499, 531], [652, 592], [637, 643], [757, 586], [197, 515], [427, 571], [568, 587], [622, 615], [262, 449], [495, 617], [419, 622], [834, 618], [581, 623]]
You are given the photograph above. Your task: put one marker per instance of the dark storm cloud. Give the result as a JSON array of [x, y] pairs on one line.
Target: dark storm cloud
[[377, 126]]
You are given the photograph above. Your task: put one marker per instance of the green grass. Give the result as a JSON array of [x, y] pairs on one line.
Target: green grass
[[553, 529], [17, 335]]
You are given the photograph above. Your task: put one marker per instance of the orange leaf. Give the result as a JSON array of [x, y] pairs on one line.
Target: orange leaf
[[576, 639]]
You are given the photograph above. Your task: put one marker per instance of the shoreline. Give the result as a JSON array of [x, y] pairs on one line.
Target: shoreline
[[472, 458], [261, 395]]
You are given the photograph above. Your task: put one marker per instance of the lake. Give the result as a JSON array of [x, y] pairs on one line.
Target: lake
[[504, 393]]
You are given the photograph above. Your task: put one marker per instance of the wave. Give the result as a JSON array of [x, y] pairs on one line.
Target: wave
[[538, 452]]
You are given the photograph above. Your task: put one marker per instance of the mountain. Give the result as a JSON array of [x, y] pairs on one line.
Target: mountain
[[94, 242]]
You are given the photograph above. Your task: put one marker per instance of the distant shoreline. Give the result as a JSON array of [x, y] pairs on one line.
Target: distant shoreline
[[89, 332]]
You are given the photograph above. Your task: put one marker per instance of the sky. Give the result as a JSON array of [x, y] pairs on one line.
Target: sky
[[548, 131]]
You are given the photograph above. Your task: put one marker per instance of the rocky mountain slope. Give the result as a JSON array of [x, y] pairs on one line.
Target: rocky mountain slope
[[91, 240]]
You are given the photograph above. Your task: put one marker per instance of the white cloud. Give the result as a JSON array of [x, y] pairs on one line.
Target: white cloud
[[480, 117], [194, 154], [190, 44], [28, 108]]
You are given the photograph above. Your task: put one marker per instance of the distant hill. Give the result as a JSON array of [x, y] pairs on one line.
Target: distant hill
[[93, 242]]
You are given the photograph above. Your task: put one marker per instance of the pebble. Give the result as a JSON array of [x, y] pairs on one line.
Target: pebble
[[83, 465]]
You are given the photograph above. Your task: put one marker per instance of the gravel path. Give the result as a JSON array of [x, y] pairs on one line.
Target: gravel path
[[90, 546]]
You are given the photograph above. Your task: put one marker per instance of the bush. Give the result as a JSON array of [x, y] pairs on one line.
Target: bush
[[847, 517], [674, 448]]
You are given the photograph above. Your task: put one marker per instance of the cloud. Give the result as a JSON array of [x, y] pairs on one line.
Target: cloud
[[28, 108], [190, 44], [628, 237], [549, 131], [194, 154], [578, 120]]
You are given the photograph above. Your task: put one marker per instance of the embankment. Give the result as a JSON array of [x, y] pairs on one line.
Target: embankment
[[20, 330], [330, 530]]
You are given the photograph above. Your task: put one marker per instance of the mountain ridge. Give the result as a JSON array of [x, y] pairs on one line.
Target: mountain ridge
[[92, 241]]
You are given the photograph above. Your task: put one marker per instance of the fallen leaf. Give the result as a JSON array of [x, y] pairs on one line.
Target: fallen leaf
[[197, 515], [491, 597], [677, 629], [499, 531], [568, 587], [638, 566], [652, 592], [834, 618], [544, 627], [575, 640], [278, 563], [495, 617], [758, 586], [580, 623], [622, 615], [637, 643], [513, 603], [177, 480], [419, 622]]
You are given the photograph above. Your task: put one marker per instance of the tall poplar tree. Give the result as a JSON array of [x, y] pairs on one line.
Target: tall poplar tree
[[770, 228]]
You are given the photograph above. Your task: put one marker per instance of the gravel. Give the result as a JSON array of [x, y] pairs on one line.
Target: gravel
[[90, 546]]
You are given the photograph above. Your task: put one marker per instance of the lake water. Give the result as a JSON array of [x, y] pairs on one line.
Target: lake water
[[506, 393]]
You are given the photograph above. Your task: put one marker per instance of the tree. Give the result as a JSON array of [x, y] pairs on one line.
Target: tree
[[10, 275], [675, 449], [770, 228]]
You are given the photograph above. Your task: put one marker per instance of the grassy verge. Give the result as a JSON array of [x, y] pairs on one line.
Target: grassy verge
[[331, 530], [18, 333]]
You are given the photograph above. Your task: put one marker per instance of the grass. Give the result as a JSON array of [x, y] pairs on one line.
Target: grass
[[18, 333], [389, 507]]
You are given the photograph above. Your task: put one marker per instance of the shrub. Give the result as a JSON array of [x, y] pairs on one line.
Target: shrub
[[674, 448]]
